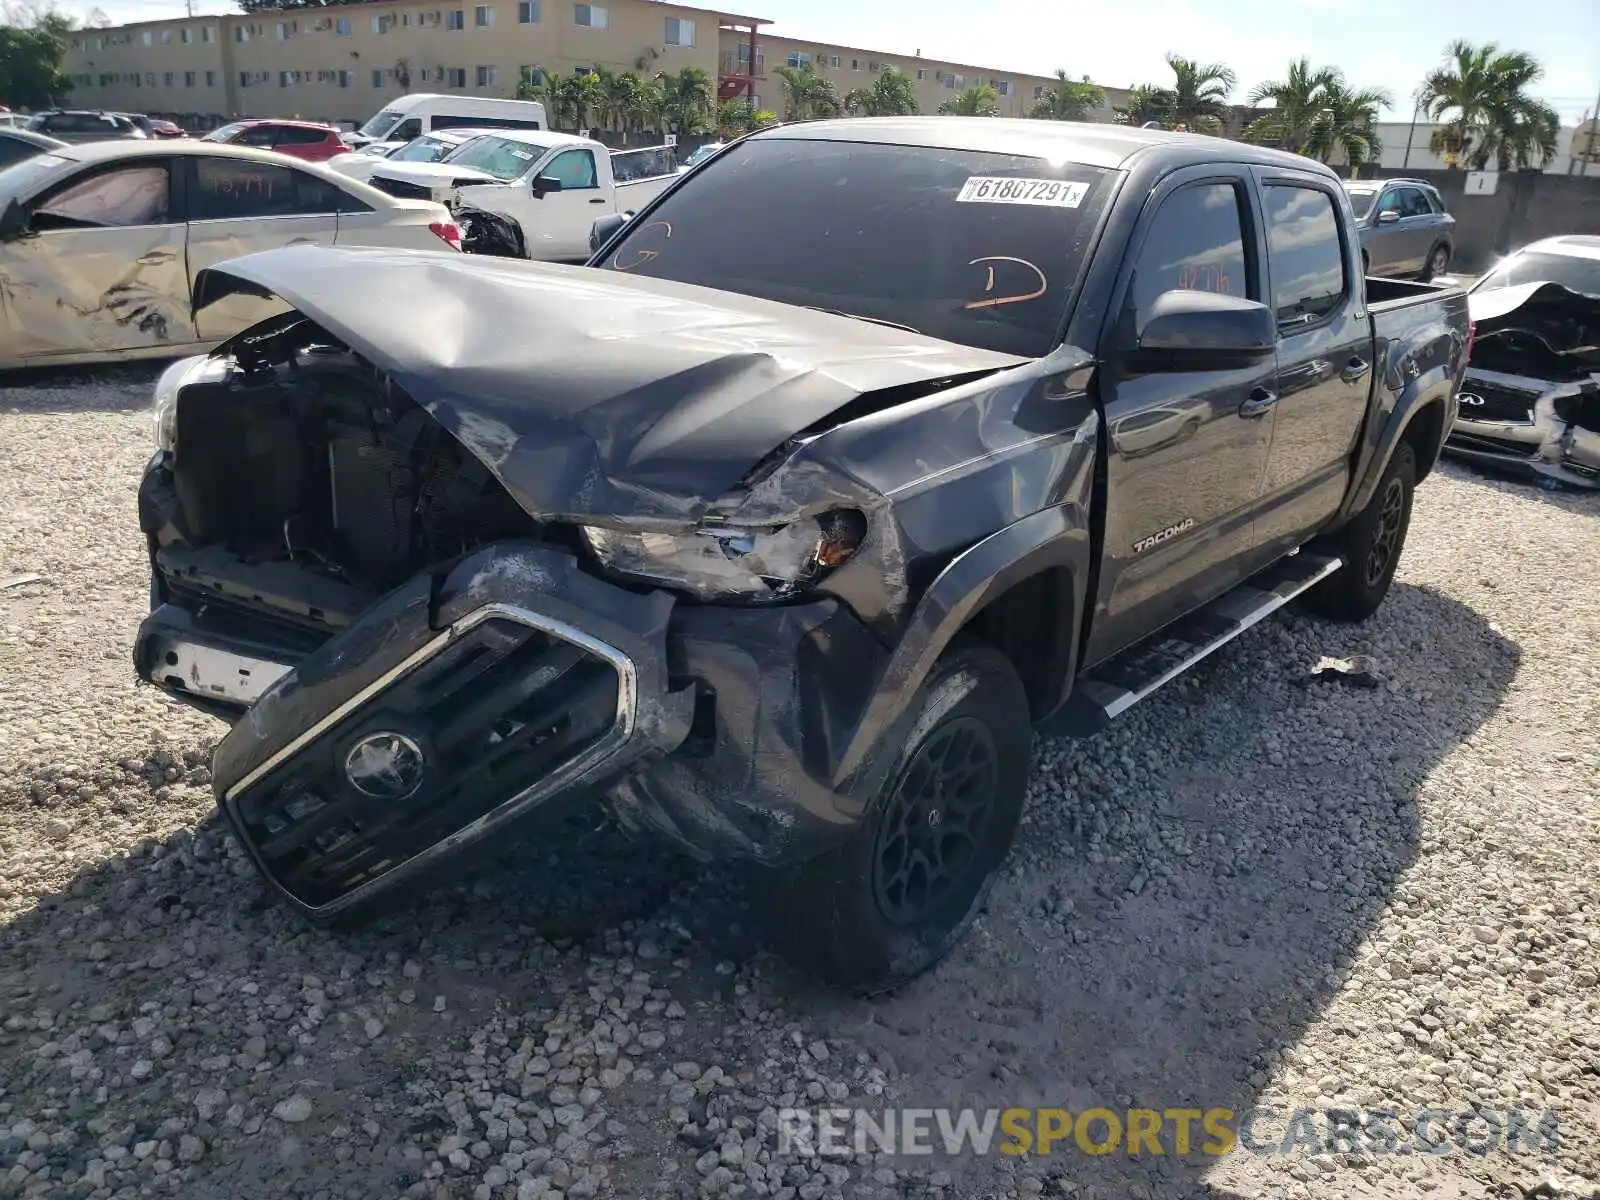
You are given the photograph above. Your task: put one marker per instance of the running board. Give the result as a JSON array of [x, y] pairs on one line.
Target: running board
[[1116, 685]]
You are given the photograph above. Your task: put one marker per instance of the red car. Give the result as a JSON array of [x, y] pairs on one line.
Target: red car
[[301, 139]]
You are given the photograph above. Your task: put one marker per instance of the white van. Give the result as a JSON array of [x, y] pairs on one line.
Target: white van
[[423, 112]]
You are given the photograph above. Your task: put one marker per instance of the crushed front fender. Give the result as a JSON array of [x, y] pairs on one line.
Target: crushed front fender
[[454, 706]]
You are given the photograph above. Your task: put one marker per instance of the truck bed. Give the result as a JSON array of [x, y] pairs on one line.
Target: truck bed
[[1384, 294]]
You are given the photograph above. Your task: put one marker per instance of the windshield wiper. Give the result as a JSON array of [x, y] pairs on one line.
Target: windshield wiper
[[839, 312]]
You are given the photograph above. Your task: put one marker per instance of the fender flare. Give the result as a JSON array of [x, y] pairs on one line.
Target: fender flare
[[1436, 385], [1057, 537]]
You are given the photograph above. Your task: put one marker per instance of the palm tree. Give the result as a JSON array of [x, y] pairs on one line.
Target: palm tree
[[980, 101], [1069, 100], [580, 95], [1484, 88], [738, 116], [807, 94], [549, 87], [689, 99], [891, 95], [1297, 102], [1347, 120], [1199, 94], [1197, 99]]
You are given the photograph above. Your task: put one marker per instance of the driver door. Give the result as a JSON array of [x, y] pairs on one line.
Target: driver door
[[562, 220], [101, 266]]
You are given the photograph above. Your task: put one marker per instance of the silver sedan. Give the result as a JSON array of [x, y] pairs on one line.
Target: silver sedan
[[100, 244]]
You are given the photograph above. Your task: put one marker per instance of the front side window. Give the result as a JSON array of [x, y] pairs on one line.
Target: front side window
[[974, 247], [1303, 246], [1194, 244], [1414, 204], [574, 168], [109, 199], [228, 189]]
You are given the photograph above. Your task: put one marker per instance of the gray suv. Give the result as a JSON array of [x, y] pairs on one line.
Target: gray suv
[[1404, 227]]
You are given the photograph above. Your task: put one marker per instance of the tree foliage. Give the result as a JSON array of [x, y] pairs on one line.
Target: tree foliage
[[1316, 112], [738, 116], [1481, 96], [1069, 100], [808, 94], [891, 95], [980, 101], [33, 42], [1197, 98], [626, 102]]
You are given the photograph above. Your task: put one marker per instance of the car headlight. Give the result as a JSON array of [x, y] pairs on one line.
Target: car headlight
[[164, 408], [733, 562]]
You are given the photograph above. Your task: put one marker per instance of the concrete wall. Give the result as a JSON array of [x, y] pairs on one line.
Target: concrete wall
[[1526, 206], [1395, 135]]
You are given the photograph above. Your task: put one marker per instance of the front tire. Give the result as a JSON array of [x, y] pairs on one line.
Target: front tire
[[1438, 262], [891, 901], [1370, 546]]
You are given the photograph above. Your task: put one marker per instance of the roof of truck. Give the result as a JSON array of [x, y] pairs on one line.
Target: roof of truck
[[1091, 143]]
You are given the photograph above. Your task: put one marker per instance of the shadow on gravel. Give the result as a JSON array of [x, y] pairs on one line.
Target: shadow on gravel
[[1511, 482], [1186, 897], [78, 389]]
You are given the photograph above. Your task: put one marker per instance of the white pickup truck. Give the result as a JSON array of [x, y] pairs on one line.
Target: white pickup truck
[[532, 193]]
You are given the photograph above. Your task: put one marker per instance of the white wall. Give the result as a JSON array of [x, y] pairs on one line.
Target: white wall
[[1393, 135]]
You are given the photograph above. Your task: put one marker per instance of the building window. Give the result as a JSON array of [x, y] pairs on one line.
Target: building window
[[188, 79], [166, 37], [456, 77], [146, 37], [208, 34], [680, 32], [590, 16], [1003, 87], [377, 78], [799, 58], [488, 76], [341, 27], [211, 79], [285, 30], [241, 33], [855, 64], [454, 20], [1038, 91], [528, 12], [150, 78], [347, 78], [383, 24], [874, 67], [532, 75], [921, 74], [285, 78], [244, 78], [166, 79], [483, 16], [185, 36]]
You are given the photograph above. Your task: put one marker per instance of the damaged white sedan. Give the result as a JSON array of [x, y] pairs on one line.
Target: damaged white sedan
[[1531, 400], [100, 244]]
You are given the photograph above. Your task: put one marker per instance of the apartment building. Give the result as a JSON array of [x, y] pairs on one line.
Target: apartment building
[[849, 67], [343, 63]]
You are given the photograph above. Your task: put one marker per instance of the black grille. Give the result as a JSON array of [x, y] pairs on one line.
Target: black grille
[[1500, 403], [401, 188], [494, 714]]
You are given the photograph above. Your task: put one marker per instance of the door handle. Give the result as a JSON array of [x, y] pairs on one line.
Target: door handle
[[598, 200], [1258, 404], [1354, 370]]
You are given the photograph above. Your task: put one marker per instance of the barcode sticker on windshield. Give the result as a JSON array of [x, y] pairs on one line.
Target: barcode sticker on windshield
[[522, 154], [993, 189]]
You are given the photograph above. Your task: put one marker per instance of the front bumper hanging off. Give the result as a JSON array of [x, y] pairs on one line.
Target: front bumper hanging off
[[452, 707]]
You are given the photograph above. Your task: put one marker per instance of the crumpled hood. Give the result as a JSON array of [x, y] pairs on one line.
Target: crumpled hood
[[1540, 329], [590, 392]]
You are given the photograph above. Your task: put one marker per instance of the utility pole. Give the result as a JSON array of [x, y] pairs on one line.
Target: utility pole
[[1572, 150], [1411, 134]]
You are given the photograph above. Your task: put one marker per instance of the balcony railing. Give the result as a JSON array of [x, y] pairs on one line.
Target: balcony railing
[[732, 64]]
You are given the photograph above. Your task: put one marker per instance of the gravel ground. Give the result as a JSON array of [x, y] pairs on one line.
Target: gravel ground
[[1257, 890]]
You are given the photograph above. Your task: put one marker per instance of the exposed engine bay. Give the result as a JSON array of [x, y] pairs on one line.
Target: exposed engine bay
[[1531, 398], [313, 460], [487, 233]]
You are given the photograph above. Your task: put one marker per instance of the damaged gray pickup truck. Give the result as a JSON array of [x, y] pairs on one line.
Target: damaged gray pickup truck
[[776, 530]]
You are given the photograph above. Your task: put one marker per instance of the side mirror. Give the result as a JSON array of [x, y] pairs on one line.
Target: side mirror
[[1205, 325], [13, 222], [545, 183], [1388, 217], [604, 229]]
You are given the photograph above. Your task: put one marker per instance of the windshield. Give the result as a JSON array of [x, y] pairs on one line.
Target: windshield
[[700, 155], [1579, 274], [497, 156], [972, 247], [1362, 202], [423, 149], [24, 178], [225, 132], [381, 124]]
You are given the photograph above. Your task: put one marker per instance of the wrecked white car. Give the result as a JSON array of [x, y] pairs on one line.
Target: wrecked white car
[[1531, 400]]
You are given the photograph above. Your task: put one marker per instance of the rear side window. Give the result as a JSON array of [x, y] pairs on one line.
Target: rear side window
[[1307, 257], [1195, 243], [115, 199], [260, 136], [448, 121], [229, 189], [290, 136]]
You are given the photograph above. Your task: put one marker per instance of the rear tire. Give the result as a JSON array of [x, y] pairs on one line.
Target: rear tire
[[1438, 262], [1370, 546], [891, 901]]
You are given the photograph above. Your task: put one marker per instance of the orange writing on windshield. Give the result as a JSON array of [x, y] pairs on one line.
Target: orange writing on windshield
[[640, 257], [1032, 273]]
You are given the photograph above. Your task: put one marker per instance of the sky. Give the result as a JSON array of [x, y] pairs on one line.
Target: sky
[[1119, 43]]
